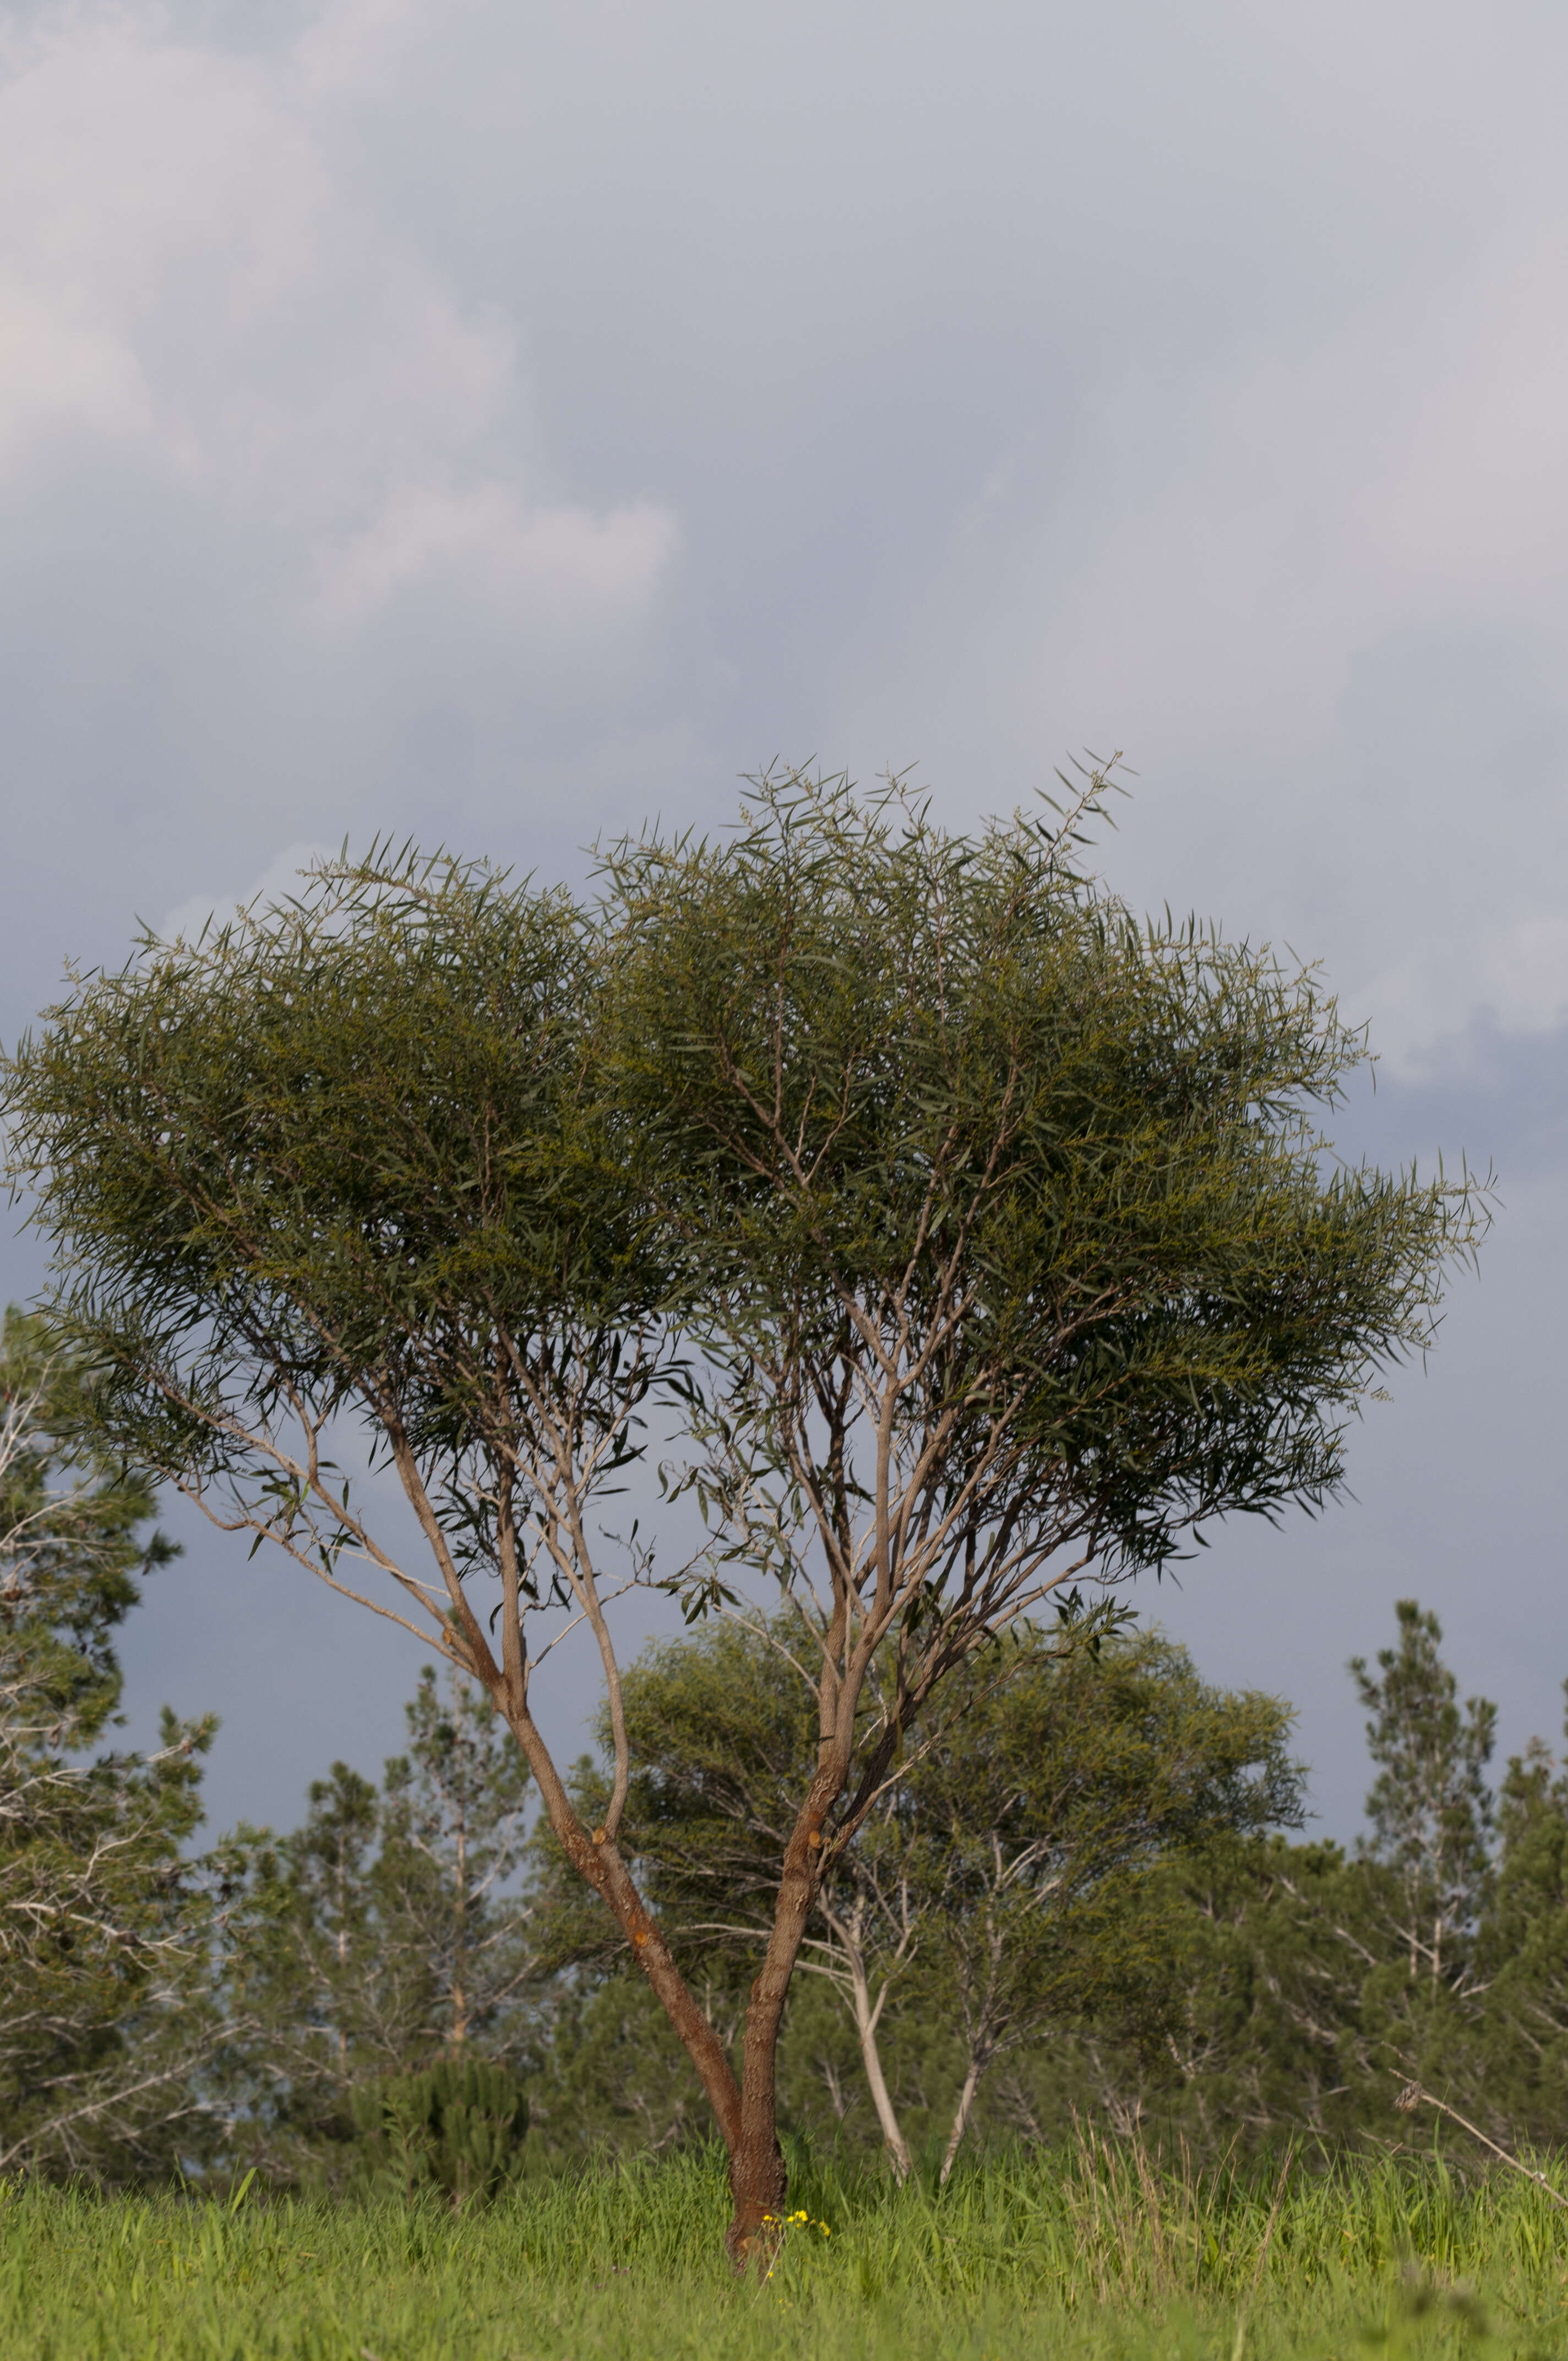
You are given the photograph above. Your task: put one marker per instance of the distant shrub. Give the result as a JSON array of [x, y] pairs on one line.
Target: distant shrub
[[458, 2126]]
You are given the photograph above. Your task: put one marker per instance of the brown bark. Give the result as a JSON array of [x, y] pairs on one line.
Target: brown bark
[[601, 1866], [757, 2179]]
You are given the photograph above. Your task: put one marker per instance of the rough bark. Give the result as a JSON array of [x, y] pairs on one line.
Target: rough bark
[[757, 2180]]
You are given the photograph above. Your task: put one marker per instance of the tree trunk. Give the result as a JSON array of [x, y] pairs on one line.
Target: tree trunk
[[962, 2115], [866, 2018], [892, 2136], [757, 2179], [600, 1865], [460, 1920], [747, 2116]]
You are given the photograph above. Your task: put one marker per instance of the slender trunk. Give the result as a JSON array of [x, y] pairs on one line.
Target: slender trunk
[[757, 2178], [746, 2114], [961, 2114], [846, 1932], [460, 1897], [342, 1946], [870, 2058], [595, 1859], [981, 2022]]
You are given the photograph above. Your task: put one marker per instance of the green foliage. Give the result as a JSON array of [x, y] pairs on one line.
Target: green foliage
[[306, 1966], [1034, 1827], [1430, 1807], [613, 2078], [102, 1927], [452, 1833], [938, 1097], [1515, 2063], [334, 1160], [1087, 1765], [1101, 2252], [1308, 1987], [1268, 1946], [459, 2123], [1008, 1884]]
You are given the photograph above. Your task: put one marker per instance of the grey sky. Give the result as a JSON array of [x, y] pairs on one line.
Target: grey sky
[[497, 424]]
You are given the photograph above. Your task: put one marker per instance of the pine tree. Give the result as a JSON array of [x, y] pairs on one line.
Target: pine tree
[[1311, 1984], [103, 1931], [1429, 1806], [1519, 2079], [377, 1937], [459, 2123], [307, 1967], [454, 1825]]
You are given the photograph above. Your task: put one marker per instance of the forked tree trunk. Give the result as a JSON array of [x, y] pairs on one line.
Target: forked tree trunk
[[747, 2113], [876, 2081], [600, 1865], [846, 1933]]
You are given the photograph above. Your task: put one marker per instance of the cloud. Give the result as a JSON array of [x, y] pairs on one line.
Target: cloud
[[1476, 506], [359, 41], [484, 535], [1321, 597], [282, 876], [190, 275]]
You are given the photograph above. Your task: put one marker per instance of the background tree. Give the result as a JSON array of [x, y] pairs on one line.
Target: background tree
[[378, 1935], [458, 2124], [453, 1830], [1037, 1820], [998, 1886], [1516, 2063], [304, 1963], [103, 1934], [1000, 1218], [1427, 1863], [1308, 1984], [1430, 1806], [1269, 1945]]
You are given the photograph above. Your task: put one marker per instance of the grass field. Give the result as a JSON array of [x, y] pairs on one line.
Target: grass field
[[1090, 2252]]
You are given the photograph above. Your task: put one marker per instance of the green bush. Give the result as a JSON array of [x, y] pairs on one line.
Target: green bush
[[458, 2125]]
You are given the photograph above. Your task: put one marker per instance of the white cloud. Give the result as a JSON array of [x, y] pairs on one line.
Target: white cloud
[[280, 878], [484, 535], [186, 272], [356, 41]]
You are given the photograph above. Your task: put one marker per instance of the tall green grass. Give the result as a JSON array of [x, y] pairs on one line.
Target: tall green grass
[[1098, 2251]]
